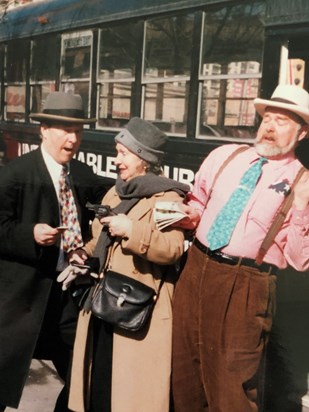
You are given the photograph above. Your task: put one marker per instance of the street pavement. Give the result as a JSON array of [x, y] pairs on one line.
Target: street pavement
[[43, 387], [41, 390]]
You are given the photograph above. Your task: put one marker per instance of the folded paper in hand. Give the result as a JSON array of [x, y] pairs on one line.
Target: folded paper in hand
[[167, 213]]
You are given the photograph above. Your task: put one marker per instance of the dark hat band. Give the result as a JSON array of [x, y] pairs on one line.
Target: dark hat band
[[75, 113], [279, 100]]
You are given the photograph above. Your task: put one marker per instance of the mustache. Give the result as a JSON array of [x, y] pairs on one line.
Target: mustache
[[267, 136]]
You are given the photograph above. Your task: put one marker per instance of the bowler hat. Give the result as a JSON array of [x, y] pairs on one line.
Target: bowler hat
[[62, 107], [288, 97], [144, 139]]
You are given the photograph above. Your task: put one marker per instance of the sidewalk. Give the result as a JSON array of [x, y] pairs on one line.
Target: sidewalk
[[43, 387], [41, 390], [305, 403]]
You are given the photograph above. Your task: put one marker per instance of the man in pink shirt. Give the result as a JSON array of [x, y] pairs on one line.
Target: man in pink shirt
[[224, 300]]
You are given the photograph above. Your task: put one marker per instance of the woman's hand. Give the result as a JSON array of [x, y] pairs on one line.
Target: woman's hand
[[78, 256], [119, 225]]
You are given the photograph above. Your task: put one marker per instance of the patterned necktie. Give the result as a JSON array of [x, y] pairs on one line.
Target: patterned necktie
[[71, 237], [226, 220]]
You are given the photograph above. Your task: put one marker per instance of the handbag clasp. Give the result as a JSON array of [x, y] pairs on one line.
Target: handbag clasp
[[121, 299]]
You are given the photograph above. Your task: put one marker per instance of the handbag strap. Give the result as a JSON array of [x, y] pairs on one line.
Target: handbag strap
[[278, 221], [162, 280]]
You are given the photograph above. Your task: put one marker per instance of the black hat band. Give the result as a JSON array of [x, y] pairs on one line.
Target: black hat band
[[75, 113], [279, 100]]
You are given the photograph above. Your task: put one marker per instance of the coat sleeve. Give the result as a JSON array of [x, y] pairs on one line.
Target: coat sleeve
[[160, 247], [16, 234]]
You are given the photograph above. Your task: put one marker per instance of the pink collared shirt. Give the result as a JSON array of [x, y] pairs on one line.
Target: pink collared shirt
[[291, 245]]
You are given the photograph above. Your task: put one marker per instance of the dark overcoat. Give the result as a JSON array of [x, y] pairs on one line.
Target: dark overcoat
[[27, 270]]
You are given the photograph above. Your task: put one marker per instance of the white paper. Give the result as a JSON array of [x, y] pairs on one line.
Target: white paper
[[167, 213]]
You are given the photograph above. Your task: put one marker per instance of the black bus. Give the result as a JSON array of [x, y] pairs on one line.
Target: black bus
[[192, 67]]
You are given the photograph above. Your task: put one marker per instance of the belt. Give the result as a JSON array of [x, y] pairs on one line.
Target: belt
[[234, 260]]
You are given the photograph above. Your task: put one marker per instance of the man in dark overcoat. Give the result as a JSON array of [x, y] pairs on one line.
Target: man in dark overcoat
[[37, 318]]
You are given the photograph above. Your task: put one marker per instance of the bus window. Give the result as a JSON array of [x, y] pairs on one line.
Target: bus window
[[76, 64], [168, 46], [43, 77], [76, 55], [116, 73], [41, 50], [167, 65], [230, 70], [239, 108], [117, 52], [115, 104], [166, 105], [15, 78]]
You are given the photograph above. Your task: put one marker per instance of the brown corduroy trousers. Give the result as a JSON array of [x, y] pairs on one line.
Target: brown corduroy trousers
[[222, 317]]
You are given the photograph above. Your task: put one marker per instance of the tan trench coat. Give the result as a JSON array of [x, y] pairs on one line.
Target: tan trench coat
[[142, 364]]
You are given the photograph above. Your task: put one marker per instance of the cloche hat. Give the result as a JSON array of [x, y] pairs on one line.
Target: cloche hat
[[144, 139], [288, 97], [62, 107]]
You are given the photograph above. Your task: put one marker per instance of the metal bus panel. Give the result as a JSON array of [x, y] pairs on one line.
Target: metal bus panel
[[281, 12], [62, 15], [53, 16]]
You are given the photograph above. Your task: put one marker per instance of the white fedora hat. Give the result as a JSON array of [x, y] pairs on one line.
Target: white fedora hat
[[288, 97]]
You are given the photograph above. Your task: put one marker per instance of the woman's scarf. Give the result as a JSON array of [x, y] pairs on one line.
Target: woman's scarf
[[130, 193], [147, 185]]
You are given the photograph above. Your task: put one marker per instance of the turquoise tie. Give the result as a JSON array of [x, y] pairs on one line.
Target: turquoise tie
[[226, 220]]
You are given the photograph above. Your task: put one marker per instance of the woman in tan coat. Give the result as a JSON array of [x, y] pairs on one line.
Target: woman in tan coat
[[131, 370]]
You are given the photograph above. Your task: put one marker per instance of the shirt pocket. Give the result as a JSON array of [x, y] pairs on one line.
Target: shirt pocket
[[265, 207]]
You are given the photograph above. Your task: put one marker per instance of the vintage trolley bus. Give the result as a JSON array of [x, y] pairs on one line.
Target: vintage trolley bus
[[193, 67]]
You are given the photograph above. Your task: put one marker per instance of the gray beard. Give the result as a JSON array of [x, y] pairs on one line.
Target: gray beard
[[265, 150]]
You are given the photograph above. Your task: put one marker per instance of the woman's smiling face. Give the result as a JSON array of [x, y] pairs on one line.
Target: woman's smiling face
[[129, 164]]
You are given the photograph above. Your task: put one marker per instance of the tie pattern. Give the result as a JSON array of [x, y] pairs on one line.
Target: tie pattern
[[222, 228], [71, 237]]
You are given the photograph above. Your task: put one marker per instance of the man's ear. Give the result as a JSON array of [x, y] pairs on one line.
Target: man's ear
[[303, 132], [43, 128]]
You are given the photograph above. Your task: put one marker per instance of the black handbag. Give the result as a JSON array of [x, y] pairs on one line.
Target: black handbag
[[123, 302]]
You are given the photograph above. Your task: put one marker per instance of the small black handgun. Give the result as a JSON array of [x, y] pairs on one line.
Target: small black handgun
[[92, 264], [100, 210]]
